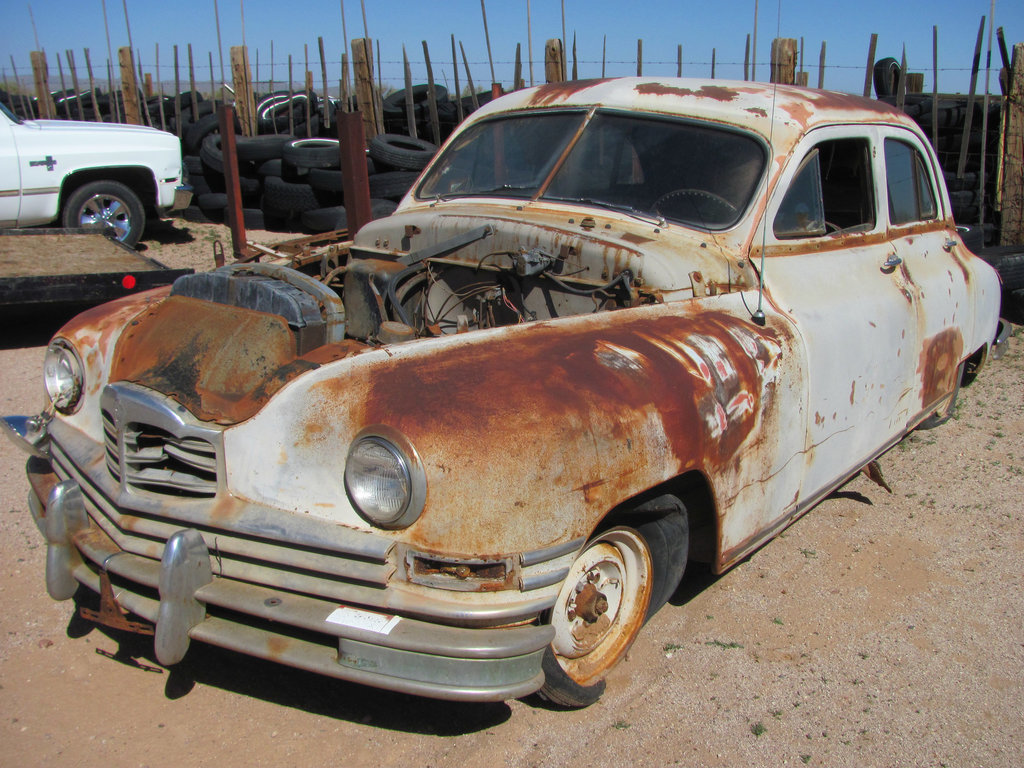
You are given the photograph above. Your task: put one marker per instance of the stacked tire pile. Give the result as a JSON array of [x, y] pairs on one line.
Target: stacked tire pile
[[396, 118], [296, 184]]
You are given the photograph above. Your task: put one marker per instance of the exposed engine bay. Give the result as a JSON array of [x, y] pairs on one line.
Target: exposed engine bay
[[467, 282]]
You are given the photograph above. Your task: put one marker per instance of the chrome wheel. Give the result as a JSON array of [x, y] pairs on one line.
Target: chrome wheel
[[108, 205], [106, 210]]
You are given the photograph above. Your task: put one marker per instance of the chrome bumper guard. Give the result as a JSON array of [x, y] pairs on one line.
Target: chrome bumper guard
[[1002, 335], [185, 600], [182, 197]]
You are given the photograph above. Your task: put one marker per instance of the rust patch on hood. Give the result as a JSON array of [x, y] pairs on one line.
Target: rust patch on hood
[[550, 93], [716, 92], [631, 237], [939, 364], [222, 363]]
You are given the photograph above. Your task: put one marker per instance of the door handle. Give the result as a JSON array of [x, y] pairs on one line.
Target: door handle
[[892, 262], [949, 245]]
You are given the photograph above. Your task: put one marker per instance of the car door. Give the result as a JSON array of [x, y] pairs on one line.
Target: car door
[[10, 173], [932, 260], [829, 266]]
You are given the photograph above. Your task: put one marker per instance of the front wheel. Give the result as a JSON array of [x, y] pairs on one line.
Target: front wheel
[[108, 205], [599, 611]]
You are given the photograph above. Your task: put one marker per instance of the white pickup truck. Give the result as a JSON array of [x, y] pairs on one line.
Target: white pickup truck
[[87, 174]]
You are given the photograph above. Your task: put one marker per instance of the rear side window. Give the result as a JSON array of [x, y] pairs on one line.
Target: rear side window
[[908, 184]]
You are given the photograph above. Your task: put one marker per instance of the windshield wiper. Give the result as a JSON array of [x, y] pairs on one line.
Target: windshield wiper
[[530, 188], [643, 216]]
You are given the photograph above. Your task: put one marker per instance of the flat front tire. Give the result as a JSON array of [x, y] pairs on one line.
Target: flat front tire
[[106, 205], [599, 610]]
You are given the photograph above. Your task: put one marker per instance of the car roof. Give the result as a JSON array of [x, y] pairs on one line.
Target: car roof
[[779, 113]]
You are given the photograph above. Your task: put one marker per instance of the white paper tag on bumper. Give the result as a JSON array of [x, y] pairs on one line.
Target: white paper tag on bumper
[[381, 623]]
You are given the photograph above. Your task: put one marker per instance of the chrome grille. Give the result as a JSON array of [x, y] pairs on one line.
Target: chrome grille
[[157, 461], [149, 446]]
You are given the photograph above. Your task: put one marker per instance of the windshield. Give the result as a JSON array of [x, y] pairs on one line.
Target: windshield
[[697, 174], [10, 114]]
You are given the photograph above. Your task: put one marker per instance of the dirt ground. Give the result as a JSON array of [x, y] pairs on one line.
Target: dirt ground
[[879, 630]]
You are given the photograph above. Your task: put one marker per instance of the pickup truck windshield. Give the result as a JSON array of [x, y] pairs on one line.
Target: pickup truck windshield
[[696, 174], [10, 115]]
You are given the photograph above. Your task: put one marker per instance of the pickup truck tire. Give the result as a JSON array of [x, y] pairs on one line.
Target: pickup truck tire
[[106, 204], [598, 613]]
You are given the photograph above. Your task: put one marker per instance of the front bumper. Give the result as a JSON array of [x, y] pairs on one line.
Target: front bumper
[[183, 585], [182, 198]]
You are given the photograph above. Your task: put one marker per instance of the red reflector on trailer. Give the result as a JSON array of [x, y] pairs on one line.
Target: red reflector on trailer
[[128, 281]]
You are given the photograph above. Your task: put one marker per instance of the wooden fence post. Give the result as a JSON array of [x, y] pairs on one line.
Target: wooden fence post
[[41, 77], [783, 61], [242, 79], [129, 91], [435, 124], [362, 62], [821, 66], [870, 69], [553, 64], [1011, 171]]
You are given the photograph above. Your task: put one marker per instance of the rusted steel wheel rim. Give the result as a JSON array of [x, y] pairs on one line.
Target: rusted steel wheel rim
[[602, 604]]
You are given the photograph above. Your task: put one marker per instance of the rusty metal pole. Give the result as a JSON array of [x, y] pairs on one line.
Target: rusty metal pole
[[233, 212], [354, 177]]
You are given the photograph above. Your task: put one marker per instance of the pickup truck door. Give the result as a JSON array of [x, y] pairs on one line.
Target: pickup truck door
[[932, 260], [10, 173], [830, 267], [41, 174]]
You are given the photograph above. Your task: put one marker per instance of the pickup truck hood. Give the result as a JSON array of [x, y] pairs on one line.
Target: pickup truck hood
[[82, 128]]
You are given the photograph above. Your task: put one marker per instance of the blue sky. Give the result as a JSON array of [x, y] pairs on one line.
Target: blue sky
[[612, 25]]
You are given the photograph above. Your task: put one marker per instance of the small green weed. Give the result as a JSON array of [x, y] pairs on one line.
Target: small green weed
[[720, 644]]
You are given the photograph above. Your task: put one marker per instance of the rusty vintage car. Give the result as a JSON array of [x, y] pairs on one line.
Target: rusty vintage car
[[616, 326]]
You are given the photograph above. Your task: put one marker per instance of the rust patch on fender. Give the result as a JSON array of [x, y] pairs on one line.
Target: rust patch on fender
[[548, 94], [939, 364], [716, 92], [581, 414], [759, 111]]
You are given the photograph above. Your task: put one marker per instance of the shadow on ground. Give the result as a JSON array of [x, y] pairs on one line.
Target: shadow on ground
[[287, 687], [34, 326]]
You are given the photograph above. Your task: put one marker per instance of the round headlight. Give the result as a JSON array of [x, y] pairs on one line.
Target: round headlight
[[63, 376], [384, 478]]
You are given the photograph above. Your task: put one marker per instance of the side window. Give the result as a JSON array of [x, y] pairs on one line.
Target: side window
[[908, 184], [802, 213], [832, 191]]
